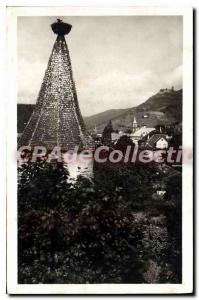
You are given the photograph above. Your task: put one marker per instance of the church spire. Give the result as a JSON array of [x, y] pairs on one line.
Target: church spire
[[135, 124], [134, 120]]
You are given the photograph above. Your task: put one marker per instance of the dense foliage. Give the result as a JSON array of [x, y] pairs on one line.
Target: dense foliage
[[108, 230]]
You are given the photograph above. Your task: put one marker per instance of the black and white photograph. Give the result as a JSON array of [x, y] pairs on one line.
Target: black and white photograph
[[100, 181]]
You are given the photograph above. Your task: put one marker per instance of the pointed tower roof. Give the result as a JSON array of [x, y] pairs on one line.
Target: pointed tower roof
[[95, 129], [56, 119], [134, 120]]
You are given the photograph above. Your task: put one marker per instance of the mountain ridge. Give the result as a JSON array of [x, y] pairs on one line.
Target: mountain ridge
[[163, 108]]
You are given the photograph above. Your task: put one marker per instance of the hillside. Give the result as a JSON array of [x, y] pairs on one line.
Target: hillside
[[169, 103], [24, 112], [100, 118], [160, 109]]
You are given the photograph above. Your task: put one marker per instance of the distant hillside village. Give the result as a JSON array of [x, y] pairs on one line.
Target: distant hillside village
[[155, 124], [159, 137]]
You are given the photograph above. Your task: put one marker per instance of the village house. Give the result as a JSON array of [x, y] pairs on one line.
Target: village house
[[160, 189], [140, 133], [116, 135], [157, 141]]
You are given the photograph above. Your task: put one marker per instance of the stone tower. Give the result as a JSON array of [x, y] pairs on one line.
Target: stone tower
[[56, 119]]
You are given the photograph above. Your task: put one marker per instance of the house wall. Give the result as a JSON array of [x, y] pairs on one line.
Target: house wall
[[79, 164], [162, 144]]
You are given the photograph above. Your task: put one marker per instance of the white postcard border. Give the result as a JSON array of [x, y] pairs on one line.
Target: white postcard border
[[11, 102]]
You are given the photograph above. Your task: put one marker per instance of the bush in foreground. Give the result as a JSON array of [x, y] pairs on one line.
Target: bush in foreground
[[89, 232]]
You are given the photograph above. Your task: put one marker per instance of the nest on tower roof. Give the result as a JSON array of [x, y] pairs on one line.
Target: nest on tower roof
[[60, 27]]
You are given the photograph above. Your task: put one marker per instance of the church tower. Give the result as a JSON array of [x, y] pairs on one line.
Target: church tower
[[135, 124], [56, 119]]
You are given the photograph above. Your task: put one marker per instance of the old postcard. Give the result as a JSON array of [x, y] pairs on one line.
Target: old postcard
[[99, 150]]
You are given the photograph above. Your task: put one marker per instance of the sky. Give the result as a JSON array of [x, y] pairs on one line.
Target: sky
[[117, 62]]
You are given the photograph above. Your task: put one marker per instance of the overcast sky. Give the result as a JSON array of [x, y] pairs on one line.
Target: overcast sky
[[118, 62]]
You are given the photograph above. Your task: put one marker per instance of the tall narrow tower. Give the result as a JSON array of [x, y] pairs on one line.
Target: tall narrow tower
[[135, 124], [56, 119]]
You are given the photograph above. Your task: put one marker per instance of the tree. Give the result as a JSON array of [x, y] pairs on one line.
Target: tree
[[173, 213], [87, 232], [128, 131], [123, 142], [106, 135]]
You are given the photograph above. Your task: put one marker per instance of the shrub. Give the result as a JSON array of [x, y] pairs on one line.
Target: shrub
[[87, 232]]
